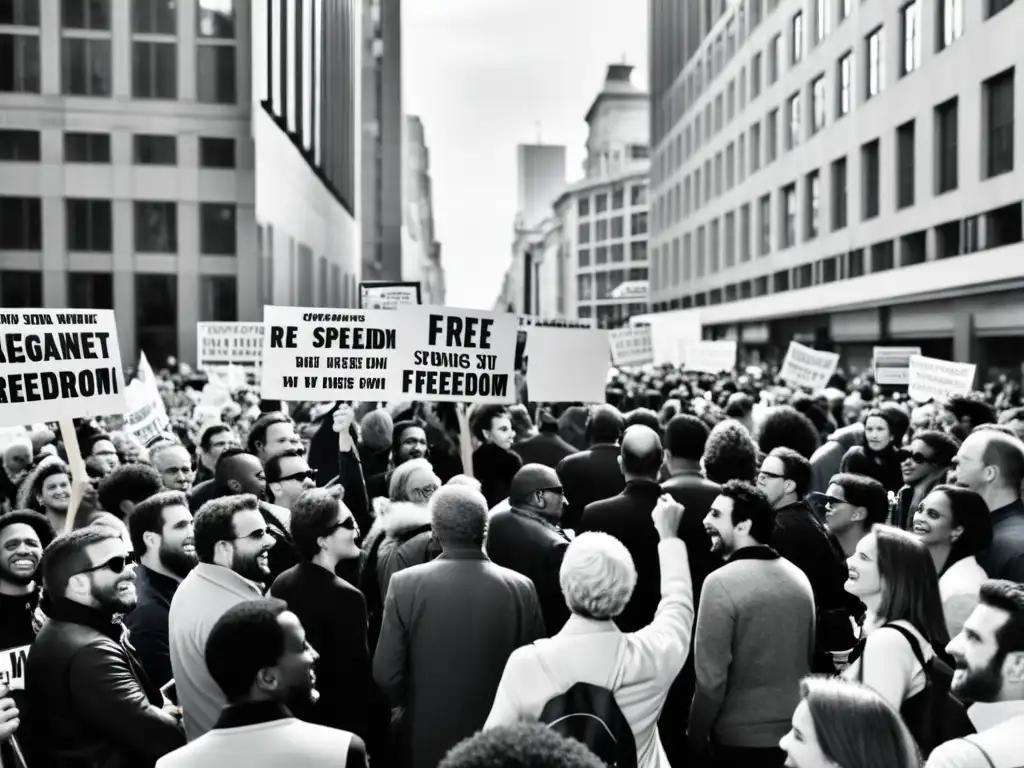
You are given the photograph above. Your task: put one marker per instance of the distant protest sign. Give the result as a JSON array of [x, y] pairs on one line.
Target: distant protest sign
[[59, 364], [934, 379], [12, 667], [415, 353], [146, 415], [388, 295], [528, 321], [631, 345], [223, 343], [807, 367], [710, 356], [554, 375], [892, 365]]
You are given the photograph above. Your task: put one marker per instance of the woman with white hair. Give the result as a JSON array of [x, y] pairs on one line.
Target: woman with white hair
[[597, 579]]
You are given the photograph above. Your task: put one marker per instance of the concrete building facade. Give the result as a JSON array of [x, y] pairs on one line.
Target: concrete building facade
[[843, 173], [421, 254], [133, 138]]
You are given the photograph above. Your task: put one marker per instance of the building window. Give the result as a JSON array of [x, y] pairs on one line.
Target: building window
[[19, 63], [217, 232], [822, 19], [617, 227], [774, 58], [601, 255], [21, 289], [91, 290], [995, 6], [845, 9], [216, 152], [755, 76], [637, 195], [870, 179], [947, 154], [744, 234], [86, 147], [156, 227], [154, 150], [755, 147], [875, 63], [583, 206], [771, 137], [19, 13], [154, 70], [999, 123], [618, 198], [839, 194], [910, 20], [818, 108], [845, 84], [216, 18], [730, 166], [905, 165], [85, 67], [19, 146], [638, 224], [601, 231], [583, 257], [215, 70], [601, 202], [797, 39], [21, 223], [154, 17], [89, 225], [951, 22], [638, 250], [618, 253], [585, 287], [765, 215], [788, 216], [729, 226], [156, 316], [813, 205], [85, 14], [793, 127], [583, 233], [218, 298]]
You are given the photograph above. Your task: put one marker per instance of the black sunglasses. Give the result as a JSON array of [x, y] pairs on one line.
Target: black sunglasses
[[116, 564], [348, 523], [916, 457], [308, 474]]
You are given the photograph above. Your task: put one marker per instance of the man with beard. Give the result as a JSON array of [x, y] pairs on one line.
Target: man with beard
[[164, 542], [233, 545], [259, 656], [91, 701], [989, 656], [23, 537], [754, 636], [408, 441]]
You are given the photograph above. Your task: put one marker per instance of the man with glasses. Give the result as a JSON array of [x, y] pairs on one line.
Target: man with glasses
[[528, 539], [233, 546], [86, 688], [174, 464], [215, 439], [854, 503], [288, 475], [924, 464]]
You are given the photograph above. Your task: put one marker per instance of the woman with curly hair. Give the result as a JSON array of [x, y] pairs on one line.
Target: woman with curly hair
[[47, 490]]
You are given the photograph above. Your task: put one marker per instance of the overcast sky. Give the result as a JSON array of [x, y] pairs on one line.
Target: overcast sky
[[482, 74]]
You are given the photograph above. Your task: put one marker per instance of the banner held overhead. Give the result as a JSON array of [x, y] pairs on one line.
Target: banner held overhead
[[807, 367]]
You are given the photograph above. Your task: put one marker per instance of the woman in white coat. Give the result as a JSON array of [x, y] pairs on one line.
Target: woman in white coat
[[597, 577]]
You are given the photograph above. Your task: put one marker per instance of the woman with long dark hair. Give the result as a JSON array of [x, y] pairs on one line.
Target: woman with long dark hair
[[878, 458]]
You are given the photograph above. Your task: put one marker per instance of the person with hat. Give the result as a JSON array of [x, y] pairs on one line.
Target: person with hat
[[527, 537]]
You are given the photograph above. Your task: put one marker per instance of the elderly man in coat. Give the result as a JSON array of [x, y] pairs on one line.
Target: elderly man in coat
[[449, 627]]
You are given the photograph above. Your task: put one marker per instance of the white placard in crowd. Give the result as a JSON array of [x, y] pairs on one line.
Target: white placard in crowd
[[566, 365], [534, 321], [631, 345], [934, 379], [223, 343], [59, 364], [892, 365], [146, 416], [12, 667], [807, 367], [710, 356], [434, 354], [388, 295]]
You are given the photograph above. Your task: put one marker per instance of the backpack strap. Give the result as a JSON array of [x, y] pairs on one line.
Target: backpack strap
[[914, 645], [982, 750]]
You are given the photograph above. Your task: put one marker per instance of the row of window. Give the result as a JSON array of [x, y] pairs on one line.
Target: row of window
[[637, 198], [613, 254], [613, 228], [610, 315], [214, 18], [147, 149], [721, 173], [605, 282], [89, 226]]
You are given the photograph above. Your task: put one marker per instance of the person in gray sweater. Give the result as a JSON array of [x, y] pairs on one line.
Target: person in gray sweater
[[754, 637]]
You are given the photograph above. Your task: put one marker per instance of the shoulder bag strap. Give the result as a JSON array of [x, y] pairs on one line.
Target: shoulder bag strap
[[914, 645], [983, 752]]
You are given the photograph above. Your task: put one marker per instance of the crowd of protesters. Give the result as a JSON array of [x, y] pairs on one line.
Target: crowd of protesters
[[717, 570]]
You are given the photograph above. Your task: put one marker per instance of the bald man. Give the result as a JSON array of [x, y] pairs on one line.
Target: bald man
[[991, 464], [627, 517]]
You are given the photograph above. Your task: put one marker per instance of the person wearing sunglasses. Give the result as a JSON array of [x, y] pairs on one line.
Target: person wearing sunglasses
[[86, 689], [288, 475], [923, 464]]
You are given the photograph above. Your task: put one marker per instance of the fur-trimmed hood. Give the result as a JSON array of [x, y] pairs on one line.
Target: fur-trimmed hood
[[394, 519]]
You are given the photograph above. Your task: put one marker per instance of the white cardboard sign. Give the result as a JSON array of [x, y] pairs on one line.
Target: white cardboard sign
[[567, 365], [434, 354], [934, 379], [631, 345], [59, 364], [12, 667], [146, 416], [383, 295], [223, 343], [710, 356], [892, 365], [807, 367]]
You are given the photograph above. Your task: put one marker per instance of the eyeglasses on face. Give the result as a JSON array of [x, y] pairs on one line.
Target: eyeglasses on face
[[349, 523], [917, 457], [257, 535], [832, 501], [309, 474], [770, 475], [424, 492], [116, 564]]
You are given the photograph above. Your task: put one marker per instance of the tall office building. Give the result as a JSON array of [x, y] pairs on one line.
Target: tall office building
[[843, 173], [382, 150], [540, 176], [421, 253], [178, 161]]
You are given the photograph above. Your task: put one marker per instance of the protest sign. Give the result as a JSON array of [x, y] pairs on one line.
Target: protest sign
[[933, 379], [806, 367], [146, 416], [59, 364], [892, 365], [12, 667], [710, 356], [224, 343], [388, 295], [631, 346], [531, 321], [434, 354], [555, 376]]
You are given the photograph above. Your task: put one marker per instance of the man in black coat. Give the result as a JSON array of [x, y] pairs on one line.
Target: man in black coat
[[546, 447], [593, 474], [627, 517], [527, 538]]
